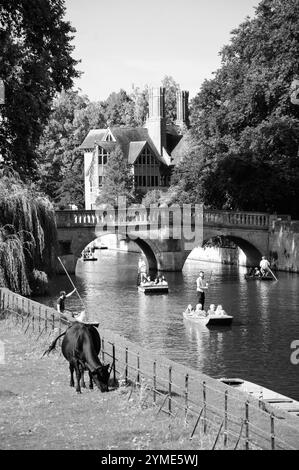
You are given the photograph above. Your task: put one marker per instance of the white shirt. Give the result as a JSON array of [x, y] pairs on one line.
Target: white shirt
[[201, 284], [264, 264]]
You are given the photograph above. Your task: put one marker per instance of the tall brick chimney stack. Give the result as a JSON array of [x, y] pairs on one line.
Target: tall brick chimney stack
[[182, 106], [156, 123]]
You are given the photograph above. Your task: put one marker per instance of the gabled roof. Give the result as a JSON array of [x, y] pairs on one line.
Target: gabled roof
[[92, 137], [135, 150], [124, 136], [131, 140]]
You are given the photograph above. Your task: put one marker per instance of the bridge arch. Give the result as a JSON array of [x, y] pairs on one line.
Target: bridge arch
[[252, 253], [148, 253], [72, 246]]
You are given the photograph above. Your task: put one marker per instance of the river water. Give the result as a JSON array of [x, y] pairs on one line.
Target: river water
[[257, 347]]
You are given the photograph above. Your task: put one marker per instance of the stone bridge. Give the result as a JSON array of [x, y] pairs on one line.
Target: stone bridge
[[165, 235]]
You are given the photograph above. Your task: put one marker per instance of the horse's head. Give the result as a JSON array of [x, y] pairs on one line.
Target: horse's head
[[101, 377]]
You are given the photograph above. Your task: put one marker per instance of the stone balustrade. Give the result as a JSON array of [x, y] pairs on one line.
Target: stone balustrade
[[160, 217]]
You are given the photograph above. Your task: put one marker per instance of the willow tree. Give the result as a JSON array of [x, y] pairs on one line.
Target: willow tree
[[27, 234]]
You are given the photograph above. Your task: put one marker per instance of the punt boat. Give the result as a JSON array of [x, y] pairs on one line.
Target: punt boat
[[153, 288], [250, 277], [264, 394], [210, 320]]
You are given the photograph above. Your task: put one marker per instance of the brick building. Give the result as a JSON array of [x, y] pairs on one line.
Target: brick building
[[149, 149]]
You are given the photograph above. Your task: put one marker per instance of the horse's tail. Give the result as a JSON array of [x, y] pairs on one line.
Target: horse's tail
[[53, 345]]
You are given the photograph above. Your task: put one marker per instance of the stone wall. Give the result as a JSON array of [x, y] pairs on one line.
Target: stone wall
[[284, 245]]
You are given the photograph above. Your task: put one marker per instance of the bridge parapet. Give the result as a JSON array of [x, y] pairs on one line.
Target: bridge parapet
[[160, 216], [257, 220]]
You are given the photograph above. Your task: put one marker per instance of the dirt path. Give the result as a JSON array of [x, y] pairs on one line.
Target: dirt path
[[39, 410]]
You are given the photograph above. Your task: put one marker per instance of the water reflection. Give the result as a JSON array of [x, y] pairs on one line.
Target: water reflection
[[256, 346]]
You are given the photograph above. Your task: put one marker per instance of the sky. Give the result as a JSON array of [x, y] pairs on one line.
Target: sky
[[135, 42]]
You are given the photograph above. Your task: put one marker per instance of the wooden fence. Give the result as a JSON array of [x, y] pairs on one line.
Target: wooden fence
[[233, 420]]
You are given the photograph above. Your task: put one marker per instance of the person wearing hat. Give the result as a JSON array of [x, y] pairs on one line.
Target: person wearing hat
[[61, 300]]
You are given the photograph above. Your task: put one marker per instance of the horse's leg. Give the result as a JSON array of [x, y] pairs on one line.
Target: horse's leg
[[72, 383], [78, 376], [90, 381], [82, 377]]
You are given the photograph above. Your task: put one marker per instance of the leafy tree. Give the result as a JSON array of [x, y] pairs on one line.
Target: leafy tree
[[27, 235], [117, 180], [152, 197], [35, 63], [243, 121], [140, 99], [61, 162], [171, 89], [119, 109]]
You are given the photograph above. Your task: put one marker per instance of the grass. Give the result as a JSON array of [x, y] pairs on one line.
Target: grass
[[39, 410]]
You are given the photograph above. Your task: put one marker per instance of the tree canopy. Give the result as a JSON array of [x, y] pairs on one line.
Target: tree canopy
[[60, 163], [118, 180], [27, 234], [244, 124], [35, 63]]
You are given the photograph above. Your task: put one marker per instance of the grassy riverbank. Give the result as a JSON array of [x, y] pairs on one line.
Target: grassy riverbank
[[38, 409]]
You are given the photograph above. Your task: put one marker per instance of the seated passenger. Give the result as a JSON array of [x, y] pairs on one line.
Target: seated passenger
[[220, 311], [190, 310], [149, 281], [199, 311], [257, 272], [211, 310], [164, 282]]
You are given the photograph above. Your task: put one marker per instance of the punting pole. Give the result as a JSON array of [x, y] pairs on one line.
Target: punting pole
[[71, 281], [273, 274]]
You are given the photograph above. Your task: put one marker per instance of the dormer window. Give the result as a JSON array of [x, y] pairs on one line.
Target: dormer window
[[109, 138]]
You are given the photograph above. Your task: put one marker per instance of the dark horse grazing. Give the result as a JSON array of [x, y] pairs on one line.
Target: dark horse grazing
[[80, 346]]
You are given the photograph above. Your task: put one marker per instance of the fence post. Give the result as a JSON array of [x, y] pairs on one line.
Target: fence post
[[154, 381], [46, 320], [247, 425], [204, 393], [113, 362], [169, 388], [272, 432], [217, 437], [138, 369], [225, 418], [32, 319], [53, 321], [186, 394], [126, 364], [59, 329], [103, 350], [39, 318]]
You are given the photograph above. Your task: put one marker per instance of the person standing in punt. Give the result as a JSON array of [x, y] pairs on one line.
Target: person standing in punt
[[201, 287], [61, 301], [265, 266]]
